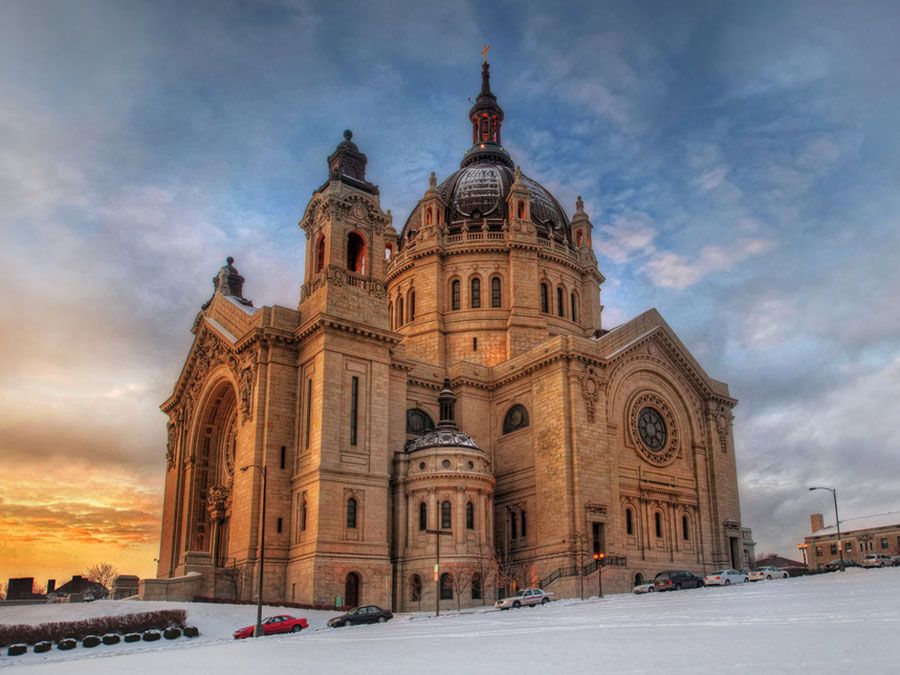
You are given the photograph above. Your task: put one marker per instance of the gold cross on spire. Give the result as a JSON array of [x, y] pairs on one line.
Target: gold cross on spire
[[484, 52]]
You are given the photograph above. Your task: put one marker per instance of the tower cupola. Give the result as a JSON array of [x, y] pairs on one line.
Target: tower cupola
[[486, 116]]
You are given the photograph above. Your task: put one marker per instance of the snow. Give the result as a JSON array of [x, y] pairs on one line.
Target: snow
[[834, 623], [849, 525]]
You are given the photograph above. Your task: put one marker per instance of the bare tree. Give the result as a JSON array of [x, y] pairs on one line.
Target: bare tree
[[461, 579], [507, 570], [581, 541], [235, 577], [484, 566], [102, 573], [416, 589]]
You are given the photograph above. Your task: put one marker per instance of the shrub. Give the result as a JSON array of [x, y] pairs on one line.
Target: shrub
[[133, 637], [44, 646], [111, 639], [66, 644], [126, 623], [90, 641], [172, 633], [191, 631], [151, 636], [16, 650]]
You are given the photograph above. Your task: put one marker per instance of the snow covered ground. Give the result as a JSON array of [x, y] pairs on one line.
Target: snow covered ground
[[834, 623]]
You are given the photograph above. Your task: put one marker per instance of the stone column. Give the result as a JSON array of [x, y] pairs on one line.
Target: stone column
[[460, 534]]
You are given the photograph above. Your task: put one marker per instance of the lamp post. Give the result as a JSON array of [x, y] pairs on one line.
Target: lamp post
[[837, 521], [802, 548], [599, 558], [437, 567], [258, 630]]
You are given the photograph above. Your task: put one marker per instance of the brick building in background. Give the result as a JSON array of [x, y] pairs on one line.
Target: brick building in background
[[457, 376], [859, 536]]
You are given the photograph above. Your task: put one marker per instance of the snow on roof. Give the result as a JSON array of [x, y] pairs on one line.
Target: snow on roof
[[862, 523], [240, 305], [224, 331]]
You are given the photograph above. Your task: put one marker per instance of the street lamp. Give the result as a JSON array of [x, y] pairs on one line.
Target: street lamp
[[802, 548], [258, 630], [837, 521], [599, 558], [437, 567]]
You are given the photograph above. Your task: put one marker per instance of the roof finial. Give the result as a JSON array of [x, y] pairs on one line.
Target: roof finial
[[484, 51], [432, 180], [579, 204]]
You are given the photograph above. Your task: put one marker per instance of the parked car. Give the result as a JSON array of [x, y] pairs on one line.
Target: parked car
[[364, 614], [836, 564], [895, 560], [274, 625], [725, 578], [675, 580], [526, 598], [768, 572], [876, 560], [643, 588]]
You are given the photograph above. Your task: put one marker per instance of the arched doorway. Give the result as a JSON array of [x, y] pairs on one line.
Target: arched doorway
[[638, 579], [356, 253], [351, 590]]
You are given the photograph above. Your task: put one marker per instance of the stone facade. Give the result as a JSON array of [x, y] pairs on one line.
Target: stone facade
[[563, 438]]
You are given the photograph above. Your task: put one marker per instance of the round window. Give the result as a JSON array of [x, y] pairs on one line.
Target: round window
[[651, 429], [471, 465], [446, 464], [421, 466]]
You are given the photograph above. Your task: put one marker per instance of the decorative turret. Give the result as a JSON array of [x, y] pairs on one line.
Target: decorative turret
[[581, 226], [348, 165], [230, 283], [518, 205], [446, 434], [486, 116]]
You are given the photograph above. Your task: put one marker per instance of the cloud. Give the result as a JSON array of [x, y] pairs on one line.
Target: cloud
[[628, 235], [672, 270]]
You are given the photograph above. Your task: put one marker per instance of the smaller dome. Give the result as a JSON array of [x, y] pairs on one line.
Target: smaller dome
[[442, 437]]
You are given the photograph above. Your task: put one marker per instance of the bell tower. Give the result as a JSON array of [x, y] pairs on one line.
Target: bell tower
[[347, 235]]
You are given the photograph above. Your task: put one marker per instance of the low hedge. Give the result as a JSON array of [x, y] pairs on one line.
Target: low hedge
[[42, 647], [126, 623], [151, 636], [16, 650], [172, 633], [90, 641], [133, 637], [111, 639], [66, 643], [191, 631]]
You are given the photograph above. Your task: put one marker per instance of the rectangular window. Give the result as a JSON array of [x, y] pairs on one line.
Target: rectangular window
[[474, 344], [283, 452], [848, 547], [597, 536], [834, 549], [308, 410], [524, 523], [818, 551], [279, 525], [495, 292], [354, 408]]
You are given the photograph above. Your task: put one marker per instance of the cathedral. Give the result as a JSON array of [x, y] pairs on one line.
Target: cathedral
[[446, 390]]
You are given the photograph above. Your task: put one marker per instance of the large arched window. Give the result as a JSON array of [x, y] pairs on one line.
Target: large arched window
[[411, 307], [446, 587], [418, 422], [560, 303], [303, 512], [496, 299], [523, 531], [391, 314], [454, 294], [475, 300], [399, 312], [446, 516], [629, 522], [470, 516], [574, 313], [516, 418], [351, 513], [416, 588], [657, 521], [545, 298], [356, 253], [423, 517], [513, 523], [320, 254], [685, 528]]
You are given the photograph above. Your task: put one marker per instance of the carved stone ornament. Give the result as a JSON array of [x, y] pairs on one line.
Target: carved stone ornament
[[217, 499], [172, 430], [723, 422], [653, 430], [590, 389], [245, 384]]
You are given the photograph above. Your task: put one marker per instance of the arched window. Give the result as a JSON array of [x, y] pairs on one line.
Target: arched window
[[356, 253], [524, 529], [418, 422], [513, 521], [475, 301], [446, 587], [638, 579], [476, 586], [545, 299], [574, 313], [578, 237], [516, 418], [412, 305], [423, 517], [560, 306], [416, 587], [496, 300], [429, 216], [399, 312], [520, 209], [303, 515], [320, 254], [351, 513], [657, 520], [454, 294], [470, 516], [446, 516], [388, 252], [352, 590], [685, 528], [391, 314], [629, 522]]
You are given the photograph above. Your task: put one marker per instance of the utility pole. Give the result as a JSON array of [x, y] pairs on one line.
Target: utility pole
[[837, 521], [437, 567], [258, 630]]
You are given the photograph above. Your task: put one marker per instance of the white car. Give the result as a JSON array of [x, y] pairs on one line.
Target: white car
[[761, 573], [530, 597], [643, 588], [725, 578], [877, 560]]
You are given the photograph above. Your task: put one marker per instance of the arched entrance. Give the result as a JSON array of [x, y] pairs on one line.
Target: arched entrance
[[351, 590], [638, 579]]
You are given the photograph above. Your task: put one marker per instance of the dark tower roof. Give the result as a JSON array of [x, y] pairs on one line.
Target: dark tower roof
[[348, 165], [446, 434]]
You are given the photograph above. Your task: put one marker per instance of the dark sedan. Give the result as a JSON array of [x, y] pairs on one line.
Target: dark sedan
[[364, 614], [274, 625], [675, 580]]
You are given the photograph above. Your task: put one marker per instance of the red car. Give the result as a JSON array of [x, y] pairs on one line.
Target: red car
[[274, 625]]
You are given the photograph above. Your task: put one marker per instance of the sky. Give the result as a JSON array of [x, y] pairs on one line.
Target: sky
[[740, 163]]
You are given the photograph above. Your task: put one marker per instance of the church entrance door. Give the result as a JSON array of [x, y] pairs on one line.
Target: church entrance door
[[351, 590]]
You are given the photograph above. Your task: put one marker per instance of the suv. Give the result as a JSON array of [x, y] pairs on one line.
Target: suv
[[527, 598], [675, 580], [876, 560]]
